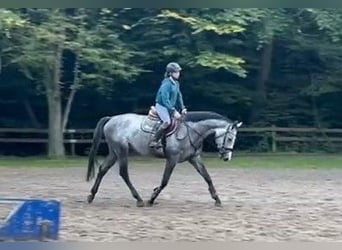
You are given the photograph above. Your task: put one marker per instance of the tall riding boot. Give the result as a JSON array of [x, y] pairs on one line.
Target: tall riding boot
[[155, 143]]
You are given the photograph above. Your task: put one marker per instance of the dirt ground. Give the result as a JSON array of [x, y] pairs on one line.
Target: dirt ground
[[258, 204]]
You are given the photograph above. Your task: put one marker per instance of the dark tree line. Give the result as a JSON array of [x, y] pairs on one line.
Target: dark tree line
[[66, 68]]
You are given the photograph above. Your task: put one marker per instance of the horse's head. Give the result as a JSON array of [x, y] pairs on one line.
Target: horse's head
[[225, 139]]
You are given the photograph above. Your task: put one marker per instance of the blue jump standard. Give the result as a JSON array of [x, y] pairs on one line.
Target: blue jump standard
[[31, 219]]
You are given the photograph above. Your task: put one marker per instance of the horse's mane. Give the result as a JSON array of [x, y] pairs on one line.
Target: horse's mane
[[196, 116]]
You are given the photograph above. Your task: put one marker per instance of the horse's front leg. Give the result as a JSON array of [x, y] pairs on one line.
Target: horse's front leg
[[169, 166], [201, 169]]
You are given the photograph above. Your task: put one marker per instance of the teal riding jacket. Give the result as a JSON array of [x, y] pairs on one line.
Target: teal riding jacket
[[170, 96]]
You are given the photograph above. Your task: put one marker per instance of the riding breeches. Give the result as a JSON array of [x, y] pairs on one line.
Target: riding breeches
[[163, 114]]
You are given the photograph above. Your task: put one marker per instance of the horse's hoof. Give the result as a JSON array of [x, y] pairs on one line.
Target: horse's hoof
[[218, 204], [140, 204], [90, 198], [149, 204]]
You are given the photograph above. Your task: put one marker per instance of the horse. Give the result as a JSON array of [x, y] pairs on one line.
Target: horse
[[183, 142]]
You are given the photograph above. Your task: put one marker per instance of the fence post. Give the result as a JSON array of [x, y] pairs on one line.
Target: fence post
[[274, 139], [72, 143], [73, 153]]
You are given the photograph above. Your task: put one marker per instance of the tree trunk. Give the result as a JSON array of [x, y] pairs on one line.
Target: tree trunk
[[1, 58], [31, 114], [264, 72], [74, 88], [53, 94]]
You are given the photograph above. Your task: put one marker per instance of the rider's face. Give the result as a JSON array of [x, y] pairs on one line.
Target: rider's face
[[175, 74]]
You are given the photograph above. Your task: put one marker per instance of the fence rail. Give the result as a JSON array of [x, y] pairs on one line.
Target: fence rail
[[274, 135]]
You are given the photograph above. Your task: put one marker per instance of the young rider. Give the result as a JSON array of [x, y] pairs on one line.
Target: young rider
[[169, 100]]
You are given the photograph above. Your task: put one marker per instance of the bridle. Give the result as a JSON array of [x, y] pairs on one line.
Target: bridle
[[222, 149], [191, 142]]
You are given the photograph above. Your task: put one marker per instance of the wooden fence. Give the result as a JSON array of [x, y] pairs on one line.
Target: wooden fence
[[274, 135], [277, 135]]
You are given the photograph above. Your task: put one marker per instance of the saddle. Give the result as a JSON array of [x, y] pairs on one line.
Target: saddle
[[152, 122], [152, 114]]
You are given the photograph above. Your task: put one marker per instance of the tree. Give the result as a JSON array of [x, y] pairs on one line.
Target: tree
[[9, 23], [96, 49]]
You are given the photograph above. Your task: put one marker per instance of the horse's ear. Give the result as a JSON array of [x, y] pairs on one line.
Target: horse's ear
[[237, 124]]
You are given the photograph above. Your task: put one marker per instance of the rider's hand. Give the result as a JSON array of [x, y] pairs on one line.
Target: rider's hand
[[184, 111], [177, 115]]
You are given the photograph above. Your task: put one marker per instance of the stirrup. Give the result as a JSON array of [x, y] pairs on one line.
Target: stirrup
[[155, 144]]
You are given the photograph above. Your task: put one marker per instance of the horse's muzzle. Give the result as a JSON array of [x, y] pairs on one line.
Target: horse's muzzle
[[226, 154]]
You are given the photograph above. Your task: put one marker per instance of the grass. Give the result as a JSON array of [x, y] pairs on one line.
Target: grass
[[299, 161], [241, 160]]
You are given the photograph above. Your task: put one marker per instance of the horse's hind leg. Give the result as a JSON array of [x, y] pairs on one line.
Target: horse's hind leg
[[123, 164], [103, 169], [201, 169]]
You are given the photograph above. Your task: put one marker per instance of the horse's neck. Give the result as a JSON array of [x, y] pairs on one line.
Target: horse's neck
[[207, 127]]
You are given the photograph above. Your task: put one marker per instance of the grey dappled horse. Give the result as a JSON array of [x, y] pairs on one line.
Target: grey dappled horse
[[126, 132]]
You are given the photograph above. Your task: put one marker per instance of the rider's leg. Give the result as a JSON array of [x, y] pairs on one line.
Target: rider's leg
[[165, 117]]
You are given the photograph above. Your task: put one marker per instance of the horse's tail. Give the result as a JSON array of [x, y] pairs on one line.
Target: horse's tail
[[98, 133]]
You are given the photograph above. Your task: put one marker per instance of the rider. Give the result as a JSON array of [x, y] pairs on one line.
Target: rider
[[169, 100]]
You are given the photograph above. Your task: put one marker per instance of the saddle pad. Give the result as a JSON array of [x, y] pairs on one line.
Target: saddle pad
[[149, 125]]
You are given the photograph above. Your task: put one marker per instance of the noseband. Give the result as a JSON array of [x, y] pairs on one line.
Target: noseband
[[222, 150]]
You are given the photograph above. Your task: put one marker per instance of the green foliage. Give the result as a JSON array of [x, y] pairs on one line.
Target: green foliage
[[220, 60], [225, 24], [9, 21], [199, 24], [220, 51], [329, 21], [97, 47]]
